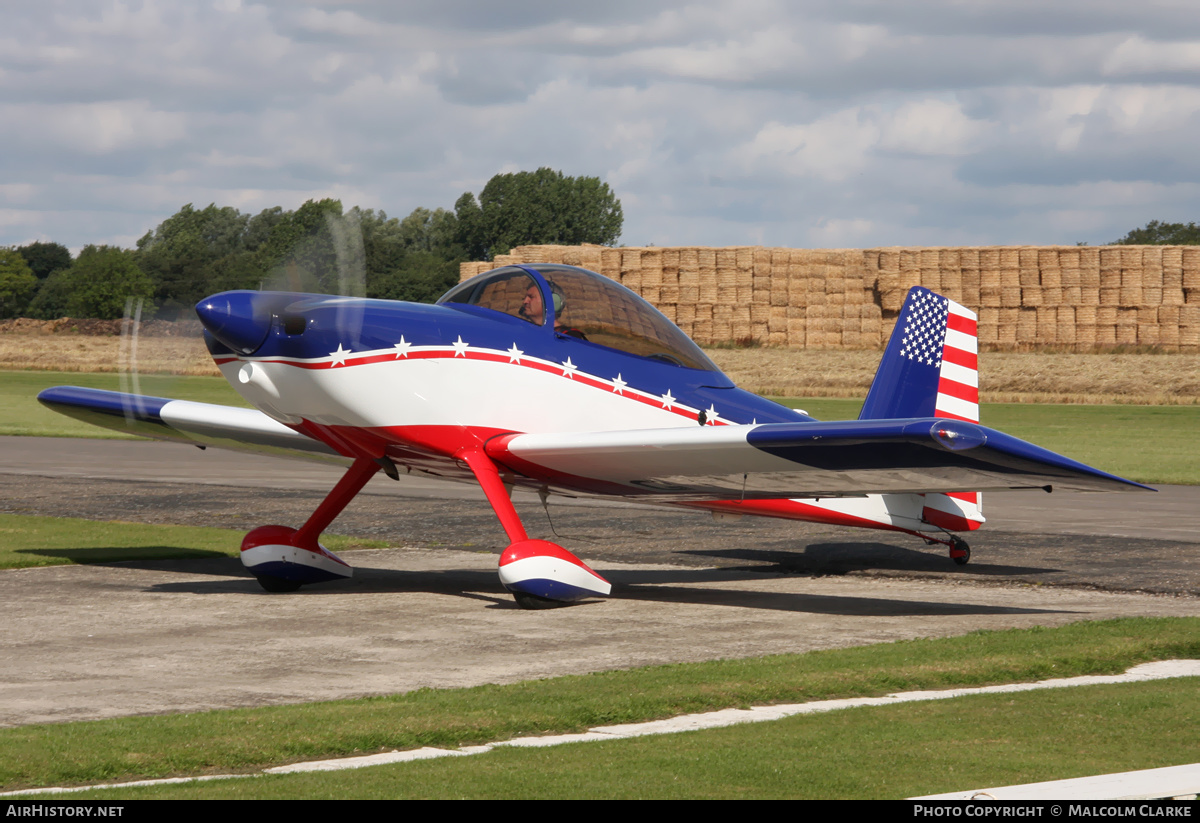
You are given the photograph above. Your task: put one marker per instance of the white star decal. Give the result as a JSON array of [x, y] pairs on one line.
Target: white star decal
[[460, 347], [514, 354], [402, 348], [339, 356], [711, 413], [569, 368], [619, 385], [667, 400]]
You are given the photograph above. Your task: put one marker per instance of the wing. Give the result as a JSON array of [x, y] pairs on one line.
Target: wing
[[185, 421], [796, 460]]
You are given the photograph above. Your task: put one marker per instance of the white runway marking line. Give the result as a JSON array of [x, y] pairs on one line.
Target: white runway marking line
[[1160, 670]]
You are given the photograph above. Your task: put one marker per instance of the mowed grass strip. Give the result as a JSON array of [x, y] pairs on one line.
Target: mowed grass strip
[[27, 540], [865, 753], [251, 739]]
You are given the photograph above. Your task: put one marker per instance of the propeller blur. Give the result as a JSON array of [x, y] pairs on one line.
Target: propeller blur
[[557, 379]]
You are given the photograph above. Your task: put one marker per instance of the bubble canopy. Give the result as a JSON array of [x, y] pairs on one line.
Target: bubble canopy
[[578, 303]]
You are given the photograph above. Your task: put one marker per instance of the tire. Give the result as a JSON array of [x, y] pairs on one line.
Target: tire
[[277, 585]]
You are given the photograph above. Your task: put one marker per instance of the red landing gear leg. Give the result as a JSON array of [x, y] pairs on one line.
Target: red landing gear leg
[[284, 559], [539, 574]]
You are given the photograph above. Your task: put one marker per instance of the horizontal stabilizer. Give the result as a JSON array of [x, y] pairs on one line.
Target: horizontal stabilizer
[[793, 460]]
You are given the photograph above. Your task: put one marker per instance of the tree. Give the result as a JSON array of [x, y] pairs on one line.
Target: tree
[[1162, 234], [181, 254], [542, 206], [17, 283], [45, 258], [102, 279]]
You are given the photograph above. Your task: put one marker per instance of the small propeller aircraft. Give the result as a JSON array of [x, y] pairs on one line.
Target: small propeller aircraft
[[560, 380]]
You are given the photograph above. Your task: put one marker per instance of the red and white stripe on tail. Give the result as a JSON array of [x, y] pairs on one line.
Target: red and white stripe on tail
[[957, 398]]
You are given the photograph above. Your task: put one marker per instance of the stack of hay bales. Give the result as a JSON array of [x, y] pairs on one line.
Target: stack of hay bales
[[1071, 297]]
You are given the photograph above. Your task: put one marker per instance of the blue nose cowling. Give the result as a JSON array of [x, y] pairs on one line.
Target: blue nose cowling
[[241, 319]]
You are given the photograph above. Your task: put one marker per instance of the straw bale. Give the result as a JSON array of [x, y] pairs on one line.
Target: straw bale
[[610, 263], [989, 319], [989, 278], [1050, 277], [1086, 315], [759, 313], [669, 310], [1132, 277], [1052, 296], [1031, 296], [1110, 278], [762, 260], [1106, 315], [726, 259], [1132, 296], [1191, 277], [1152, 295], [1085, 335], [971, 278], [1148, 335], [1168, 336], [1172, 297], [1110, 297], [1189, 336], [685, 313], [1010, 278], [1028, 257], [1068, 277], [779, 291], [1191, 297], [1106, 335], [910, 260], [1089, 278], [952, 281], [1006, 335], [1172, 278], [1110, 258], [727, 288], [1068, 258], [1072, 295], [780, 258], [708, 286], [836, 299], [722, 331], [856, 297], [702, 331], [852, 338], [1029, 277], [990, 259], [1172, 257], [990, 297], [889, 261], [1089, 258], [744, 258], [1131, 257], [777, 321], [797, 332], [1064, 333], [969, 259], [796, 311], [777, 338], [1010, 296], [1189, 315], [949, 259], [652, 267], [1152, 257], [1047, 258], [589, 257], [1089, 296]]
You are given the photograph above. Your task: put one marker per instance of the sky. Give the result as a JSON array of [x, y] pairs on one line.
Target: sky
[[818, 123]]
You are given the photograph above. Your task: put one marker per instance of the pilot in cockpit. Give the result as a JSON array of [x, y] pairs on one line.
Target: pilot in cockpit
[[532, 310]]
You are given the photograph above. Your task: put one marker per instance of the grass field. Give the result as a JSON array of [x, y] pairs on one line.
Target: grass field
[[890, 752]]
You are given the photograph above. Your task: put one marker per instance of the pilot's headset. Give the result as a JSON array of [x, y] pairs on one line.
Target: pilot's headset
[[556, 297]]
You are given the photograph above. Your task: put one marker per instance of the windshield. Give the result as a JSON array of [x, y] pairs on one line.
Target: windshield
[[584, 305]]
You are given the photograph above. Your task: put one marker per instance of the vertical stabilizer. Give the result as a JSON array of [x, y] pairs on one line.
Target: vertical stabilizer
[[931, 369]]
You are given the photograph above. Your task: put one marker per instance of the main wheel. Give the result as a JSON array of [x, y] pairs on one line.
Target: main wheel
[[960, 552], [533, 602], [276, 585]]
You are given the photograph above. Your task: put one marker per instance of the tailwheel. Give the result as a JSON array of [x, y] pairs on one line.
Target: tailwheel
[[960, 552], [532, 602], [276, 585]]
